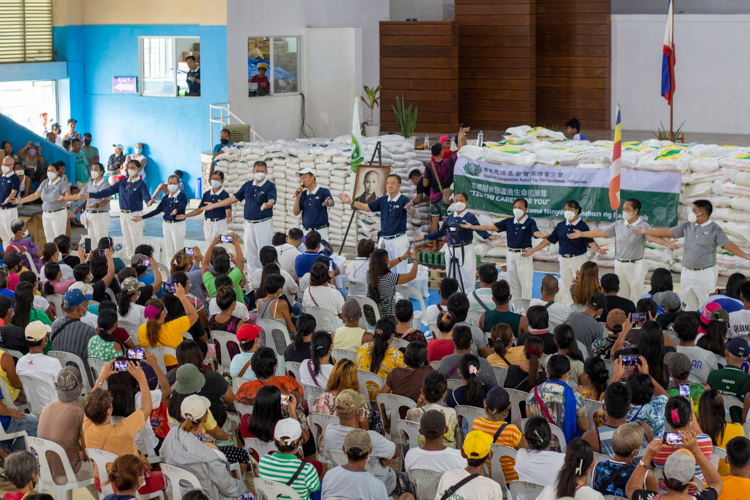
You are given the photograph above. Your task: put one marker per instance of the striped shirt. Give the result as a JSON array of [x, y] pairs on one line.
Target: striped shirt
[[510, 437], [704, 443], [279, 467]]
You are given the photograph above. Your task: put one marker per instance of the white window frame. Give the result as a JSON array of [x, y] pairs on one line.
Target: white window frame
[[272, 92], [141, 81]]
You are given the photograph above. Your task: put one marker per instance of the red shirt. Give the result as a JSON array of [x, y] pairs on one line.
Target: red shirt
[[437, 349], [262, 82]]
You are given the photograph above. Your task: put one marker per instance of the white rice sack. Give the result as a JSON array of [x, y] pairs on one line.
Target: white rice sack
[[705, 150], [668, 160], [716, 201], [732, 262], [731, 215], [498, 252], [729, 188], [737, 230], [698, 177], [700, 189], [704, 164], [574, 156], [656, 255], [739, 203], [509, 155], [741, 178], [519, 131], [472, 152], [739, 161], [547, 156]]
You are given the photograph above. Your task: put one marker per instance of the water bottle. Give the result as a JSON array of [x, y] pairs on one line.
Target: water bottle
[[480, 139], [453, 143], [198, 187], [426, 142]]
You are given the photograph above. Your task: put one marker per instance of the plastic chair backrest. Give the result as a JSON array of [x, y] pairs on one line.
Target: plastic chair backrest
[[498, 474], [319, 422], [337, 457], [556, 431], [516, 398], [175, 475], [454, 383], [8, 400], [365, 301], [472, 317], [243, 409], [160, 352], [409, 430], [435, 364], [610, 364], [111, 295], [470, 413], [399, 343], [13, 353], [260, 447], [525, 490], [153, 457], [344, 354], [276, 335], [273, 490], [592, 407], [224, 338], [501, 372], [408, 292], [729, 402], [164, 270], [325, 319], [355, 287], [56, 301], [42, 446], [312, 391], [364, 377], [426, 482], [132, 330], [583, 348], [237, 383], [292, 367], [30, 387], [101, 458], [435, 331], [69, 357], [393, 404], [600, 457]]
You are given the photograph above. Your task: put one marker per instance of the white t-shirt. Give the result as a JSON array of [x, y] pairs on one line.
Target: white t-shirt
[[305, 378], [356, 270], [90, 319], [42, 367], [539, 467], [739, 323], [41, 303], [582, 493], [240, 309], [286, 256], [439, 461], [432, 313], [381, 448], [325, 297], [134, 315], [558, 312], [701, 360], [480, 488], [485, 295], [66, 270], [290, 286]]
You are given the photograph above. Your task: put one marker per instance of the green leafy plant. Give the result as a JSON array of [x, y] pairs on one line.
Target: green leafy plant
[[372, 101], [663, 134], [405, 119]]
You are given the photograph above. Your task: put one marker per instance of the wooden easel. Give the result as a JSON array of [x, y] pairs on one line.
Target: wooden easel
[[378, 151]]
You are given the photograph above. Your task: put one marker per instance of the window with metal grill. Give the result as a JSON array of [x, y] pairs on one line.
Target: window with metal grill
[[25, 31]]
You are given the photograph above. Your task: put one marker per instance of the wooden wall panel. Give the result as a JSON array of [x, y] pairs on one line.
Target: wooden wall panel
[[497, 63], [419, 61], [573, 63]]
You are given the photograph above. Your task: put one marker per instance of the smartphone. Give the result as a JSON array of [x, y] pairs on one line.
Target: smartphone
[[636, 317], [631, 360], [139, 354], [169, 287], [685, 391], [36, 144], [101, 253], [285, 399], [146, 262], [189, 251], [87, 245], [411, 246], [121, 366], [673, 438], [226, 238], [330, 266]]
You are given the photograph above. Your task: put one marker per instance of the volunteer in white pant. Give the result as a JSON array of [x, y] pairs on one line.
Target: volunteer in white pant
[[703, 237], [171, 205], [312, 201], [215, 223], [457, 228], [393, 208], [519, 230], [260, 197], [630, 265], [96, 218], [132, 193], [10, 184], [573, 252], [52, 191]]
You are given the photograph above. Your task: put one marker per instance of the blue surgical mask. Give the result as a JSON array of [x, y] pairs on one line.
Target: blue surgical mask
[[138, 150]]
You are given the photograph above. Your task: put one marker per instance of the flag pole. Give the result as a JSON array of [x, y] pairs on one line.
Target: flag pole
[[671, 63]]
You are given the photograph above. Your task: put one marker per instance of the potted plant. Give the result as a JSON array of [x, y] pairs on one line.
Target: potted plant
[[405, 119], [372, 101], [677, 136]]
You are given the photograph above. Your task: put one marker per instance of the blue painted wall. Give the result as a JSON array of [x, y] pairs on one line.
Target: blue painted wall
[[173, 130]]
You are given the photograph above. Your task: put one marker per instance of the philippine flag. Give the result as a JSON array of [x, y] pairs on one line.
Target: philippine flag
[[668, 59]]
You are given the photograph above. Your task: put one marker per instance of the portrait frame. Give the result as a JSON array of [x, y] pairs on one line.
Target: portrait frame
[[382, 171]]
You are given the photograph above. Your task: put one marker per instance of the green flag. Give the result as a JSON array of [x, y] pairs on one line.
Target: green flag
[[356, 138]]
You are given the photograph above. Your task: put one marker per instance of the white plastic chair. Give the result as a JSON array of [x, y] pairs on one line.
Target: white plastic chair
[[364, 377], [610, 364], [175, 475], [60, 491], [399, 343], [435, 331], [470, 413], [276, 336], [501, 372], [96, 366], [312, 391], [556, 432], [13, 353], [392, 403], [292, 367], [111, 295], [243, 409], [261, 448], [583, 348], [344, 354], [355, 287], [273, 490], [472, 317], [408, 292], [435, 364], [731, 401], [56, 301], [132, 330], [101, 458], [337, 458], [516, 398], [153, 458], [224, 338], [319, 422], [235, 467], [363, 302], [498, 475], [454, 383], [237, 383], [592, 407], [600, 457], [325, 319], [30, 387], [69, 357], [9, 401], [525, 490], [426, 482], [409, 430], [161, 352]]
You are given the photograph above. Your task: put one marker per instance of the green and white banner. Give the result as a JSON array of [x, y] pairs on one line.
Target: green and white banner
[[494, 188]]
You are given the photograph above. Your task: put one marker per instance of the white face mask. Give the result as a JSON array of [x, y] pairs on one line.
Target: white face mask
[[215, 184], [460, 206], [517, 213], [259, 176], [6, 169], [627, 215], [692, 217], [20, 173], [94, 174], [132, 172], [569, 215], [173, 188], [51, 176]]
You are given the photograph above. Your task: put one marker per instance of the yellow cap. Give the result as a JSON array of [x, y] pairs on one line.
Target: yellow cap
[[477, 445]]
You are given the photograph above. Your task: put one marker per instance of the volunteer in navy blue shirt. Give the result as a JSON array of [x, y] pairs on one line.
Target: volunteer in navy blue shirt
[[393, 208], [260, 197], [460, 243], [223, 141], [193, 77], [132, 193], [216, 220], [304, 261], [9, 186], [171, 206], [519, 229], [573, 253], [312, 201]]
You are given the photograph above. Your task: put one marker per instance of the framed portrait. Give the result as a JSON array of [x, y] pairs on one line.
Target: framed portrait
[[370, 182]]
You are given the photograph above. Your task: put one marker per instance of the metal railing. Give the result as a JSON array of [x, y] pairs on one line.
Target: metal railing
[[224, 117]]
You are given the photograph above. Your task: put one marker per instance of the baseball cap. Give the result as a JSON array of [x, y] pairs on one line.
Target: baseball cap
[[86, 289], [357, 438], [189, 380], [118, 146], [678, 363], [36, 331], [738, 347], [720, 315], [72, 120], [348, 402], [73, 298], [432, 424], [498, 399], [136, 259], [444, 138], [668, 300], [263, 65], [477, 444], [42, 113], [287, 430], [706, 314], [615, 317], [195, 406], [248, 332], [68, 384], [351, 309], [12, 259], [131, 284], [680, 466], [306, 170]]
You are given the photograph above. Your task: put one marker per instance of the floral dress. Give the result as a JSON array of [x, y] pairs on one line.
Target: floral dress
[[393, 359], [99, 348], [411, 335]]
